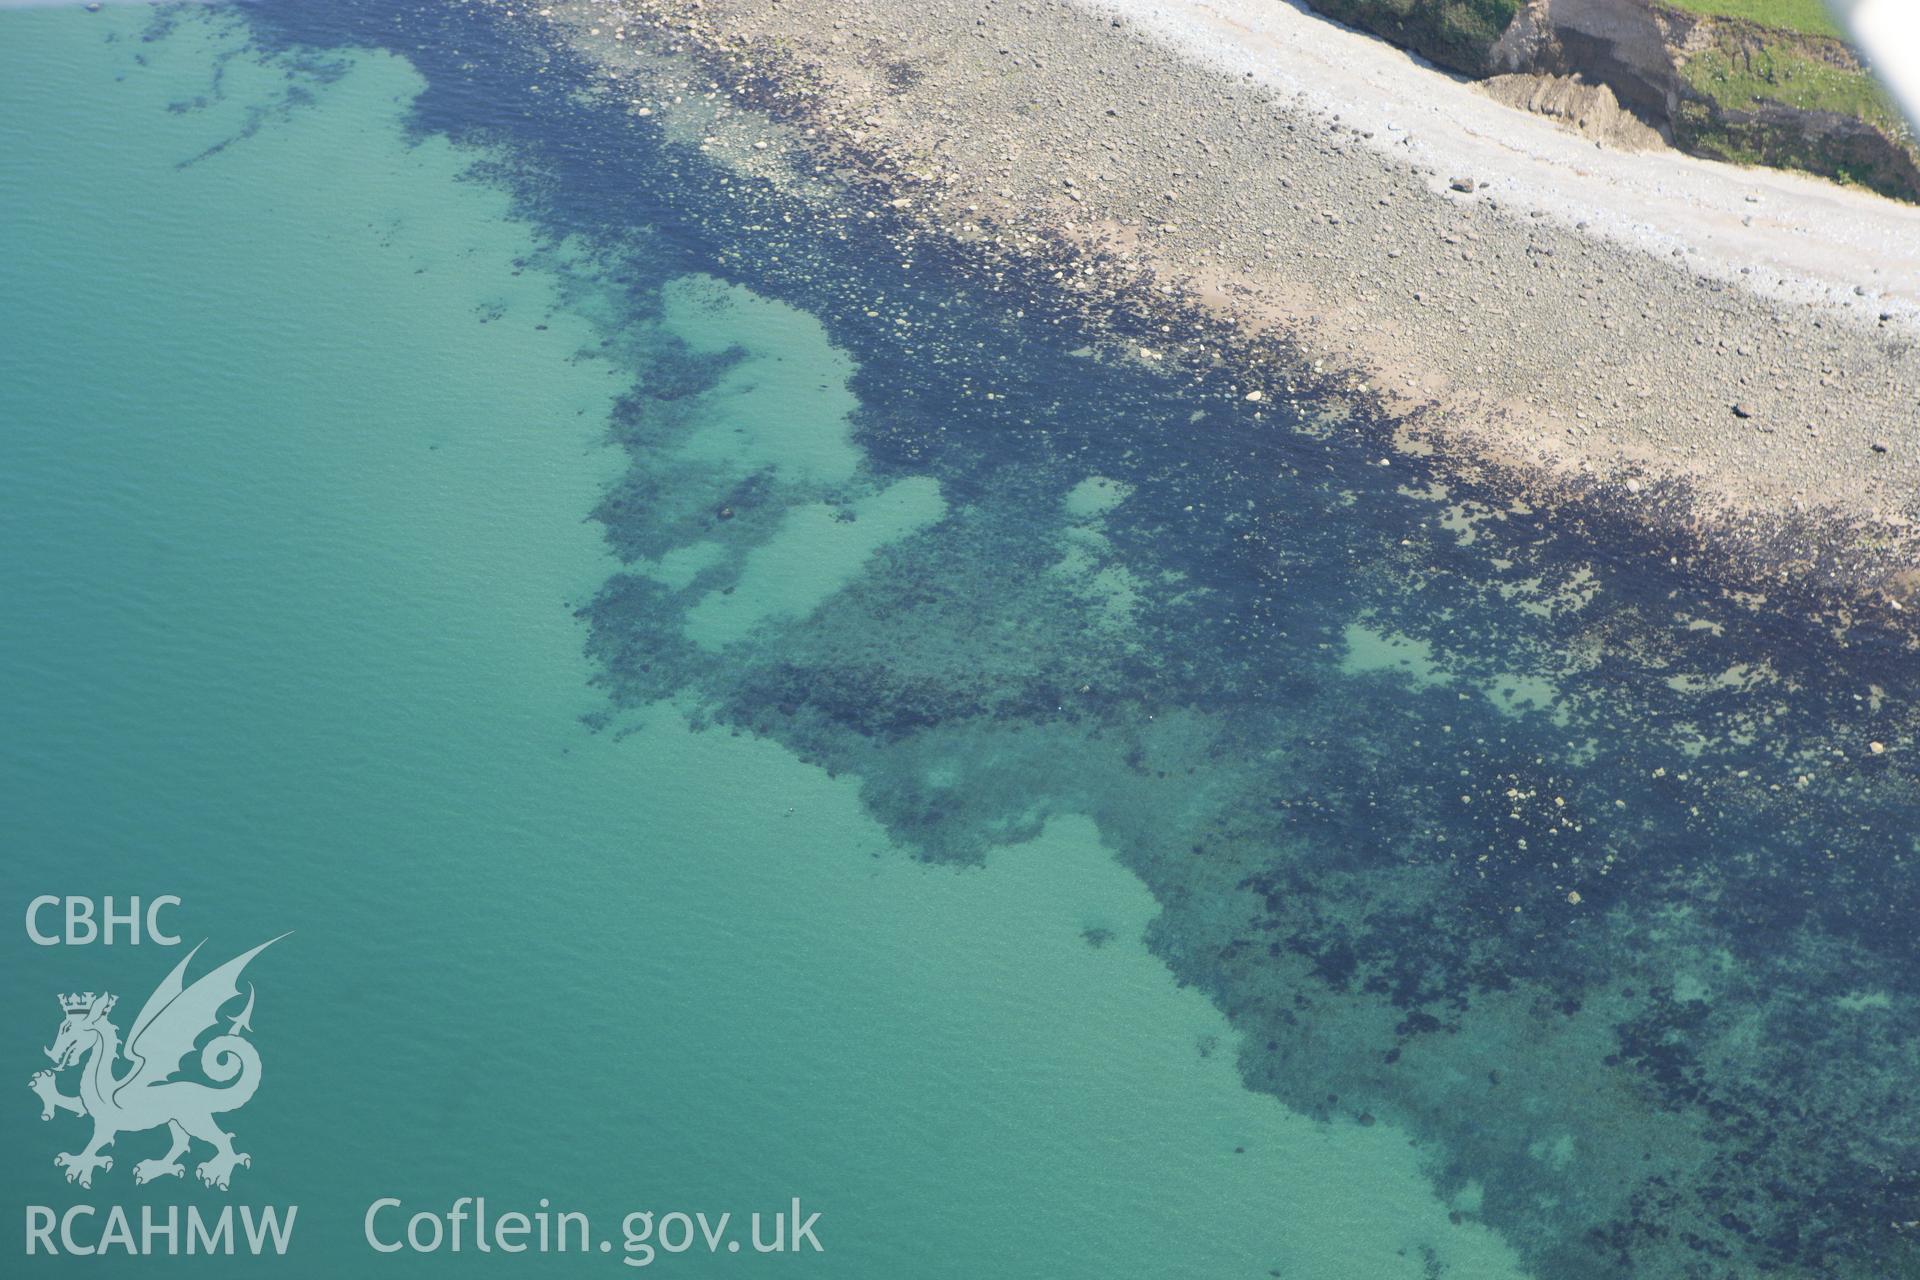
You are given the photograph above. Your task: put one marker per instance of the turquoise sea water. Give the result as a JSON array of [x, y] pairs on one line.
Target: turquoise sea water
[[298, 431], [739, 698]]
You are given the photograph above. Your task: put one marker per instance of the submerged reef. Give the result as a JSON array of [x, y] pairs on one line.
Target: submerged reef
[[1517, 827]]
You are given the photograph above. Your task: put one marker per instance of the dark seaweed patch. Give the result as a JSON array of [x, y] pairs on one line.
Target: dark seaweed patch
[[1622, 843]]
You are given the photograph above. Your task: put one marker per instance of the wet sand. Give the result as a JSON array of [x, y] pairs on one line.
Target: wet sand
[[1729, 352]]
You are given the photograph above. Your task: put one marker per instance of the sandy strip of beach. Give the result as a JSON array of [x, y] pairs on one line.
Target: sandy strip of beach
[[1605, 316]]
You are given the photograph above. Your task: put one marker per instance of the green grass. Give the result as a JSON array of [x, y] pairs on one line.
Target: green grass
[[1787, 76], [1807, 16], [1736, 78], [1782, 58]]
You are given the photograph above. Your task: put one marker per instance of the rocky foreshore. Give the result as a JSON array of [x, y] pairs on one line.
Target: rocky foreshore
[[1759, 414]]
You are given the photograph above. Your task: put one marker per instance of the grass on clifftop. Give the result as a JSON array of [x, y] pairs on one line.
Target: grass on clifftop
[[1809, 17], [1785, 75], [1735, 81], [1751, 90], [1458, 33]]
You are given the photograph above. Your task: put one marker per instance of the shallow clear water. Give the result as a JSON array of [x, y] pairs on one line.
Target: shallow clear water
[[294, 491], [730, 717]]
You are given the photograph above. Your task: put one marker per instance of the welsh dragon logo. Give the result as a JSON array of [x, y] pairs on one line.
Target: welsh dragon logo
[[146, 1095]]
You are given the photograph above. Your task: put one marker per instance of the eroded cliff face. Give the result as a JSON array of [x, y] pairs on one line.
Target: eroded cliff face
[[1591, 109], [1618, 43], [1719, 87]]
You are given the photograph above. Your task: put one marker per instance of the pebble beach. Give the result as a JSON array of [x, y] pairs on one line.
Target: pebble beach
[[1732, 350]]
